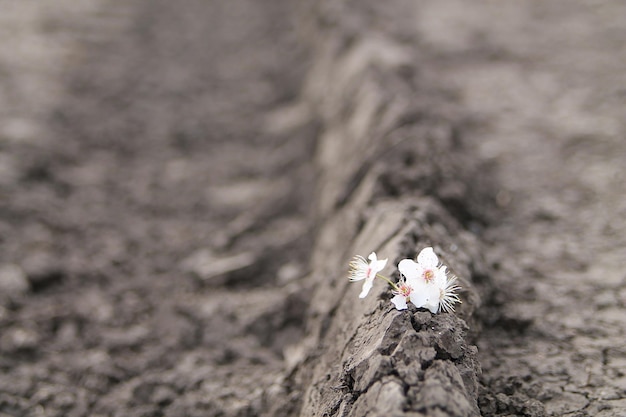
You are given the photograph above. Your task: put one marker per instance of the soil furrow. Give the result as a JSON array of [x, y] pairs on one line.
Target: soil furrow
[[156, 215]]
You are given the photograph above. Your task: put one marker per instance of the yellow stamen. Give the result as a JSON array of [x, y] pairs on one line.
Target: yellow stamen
[[429, 275]]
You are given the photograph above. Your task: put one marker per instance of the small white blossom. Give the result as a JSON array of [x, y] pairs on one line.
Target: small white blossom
[[429, 283], [402, 295], [360, 269]]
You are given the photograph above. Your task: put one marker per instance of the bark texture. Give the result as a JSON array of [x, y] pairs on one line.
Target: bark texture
[[392, 177]]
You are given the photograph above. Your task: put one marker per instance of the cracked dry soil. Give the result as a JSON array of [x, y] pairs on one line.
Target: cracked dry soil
[[156, 184]]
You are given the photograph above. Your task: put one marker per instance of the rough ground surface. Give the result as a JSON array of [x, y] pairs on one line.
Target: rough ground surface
[[546, 82], [163, 228], [122, 290]]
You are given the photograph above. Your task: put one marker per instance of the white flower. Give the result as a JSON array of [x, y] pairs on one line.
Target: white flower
[[429, 283], [360, 269], [402, 295]]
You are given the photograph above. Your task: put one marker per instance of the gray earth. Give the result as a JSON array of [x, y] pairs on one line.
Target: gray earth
[[183, 183]]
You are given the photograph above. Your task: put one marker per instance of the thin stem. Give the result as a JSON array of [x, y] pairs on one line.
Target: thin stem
[[395, 287]]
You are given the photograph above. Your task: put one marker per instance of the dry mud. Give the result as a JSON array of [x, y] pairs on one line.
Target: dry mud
[[183, 183]]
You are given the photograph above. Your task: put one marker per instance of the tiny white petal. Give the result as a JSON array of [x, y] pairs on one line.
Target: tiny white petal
[[427, 258], [418, 298], [440, 277], [379, 265], [367, 286], [400, 302], [410, 269], [433, 307], [376, 265], [426, 296], [433, 295]]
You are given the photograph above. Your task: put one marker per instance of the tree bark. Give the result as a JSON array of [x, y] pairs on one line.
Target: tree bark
[[393, 177]]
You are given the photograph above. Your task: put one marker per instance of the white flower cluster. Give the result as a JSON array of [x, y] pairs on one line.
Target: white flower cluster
[[423, 282]]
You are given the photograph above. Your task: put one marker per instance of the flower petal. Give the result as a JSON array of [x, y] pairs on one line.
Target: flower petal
[[419, 298], [400, 302], [367, 286], [427, 297], [410, 269], [379, 265], [441, 278], [433, 306], [434, 297], [427, 258]]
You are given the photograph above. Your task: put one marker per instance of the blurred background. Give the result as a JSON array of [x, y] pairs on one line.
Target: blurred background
[[154, 204]]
